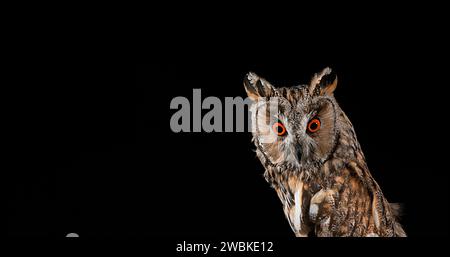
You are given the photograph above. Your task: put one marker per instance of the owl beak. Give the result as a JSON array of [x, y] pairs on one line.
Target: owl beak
[[298, 153]]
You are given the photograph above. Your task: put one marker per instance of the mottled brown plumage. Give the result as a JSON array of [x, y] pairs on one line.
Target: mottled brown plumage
[[320, 176]]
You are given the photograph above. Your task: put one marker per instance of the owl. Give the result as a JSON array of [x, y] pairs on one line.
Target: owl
[[314, 162]]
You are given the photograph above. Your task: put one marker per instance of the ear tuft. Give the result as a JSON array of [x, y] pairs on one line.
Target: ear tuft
[[323, 83], [251, 78], [257, 87]]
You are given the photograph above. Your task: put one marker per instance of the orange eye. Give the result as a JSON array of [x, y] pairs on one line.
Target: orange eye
[[314, 125], [279, 128]]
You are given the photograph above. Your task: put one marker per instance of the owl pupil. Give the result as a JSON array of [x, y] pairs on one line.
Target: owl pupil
[[313, 126], [279, 129]]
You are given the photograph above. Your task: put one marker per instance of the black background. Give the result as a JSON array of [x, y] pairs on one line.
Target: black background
[[100, 158]]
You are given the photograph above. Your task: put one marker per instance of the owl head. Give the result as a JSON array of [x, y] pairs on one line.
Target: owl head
[[294, 127]]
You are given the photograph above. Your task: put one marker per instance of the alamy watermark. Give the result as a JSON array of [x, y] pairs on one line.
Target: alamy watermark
[[214, 114]]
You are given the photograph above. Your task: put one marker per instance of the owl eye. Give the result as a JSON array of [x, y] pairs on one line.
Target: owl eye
[[279, 128], [313, 125]]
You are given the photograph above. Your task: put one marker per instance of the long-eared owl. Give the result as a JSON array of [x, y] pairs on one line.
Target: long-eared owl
[[314, 162]]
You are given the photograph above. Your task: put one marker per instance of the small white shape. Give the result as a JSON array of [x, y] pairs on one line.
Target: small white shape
[[313, 210], [72, 235]]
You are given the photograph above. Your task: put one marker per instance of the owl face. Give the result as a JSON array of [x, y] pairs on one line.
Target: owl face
[[294, 126]]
